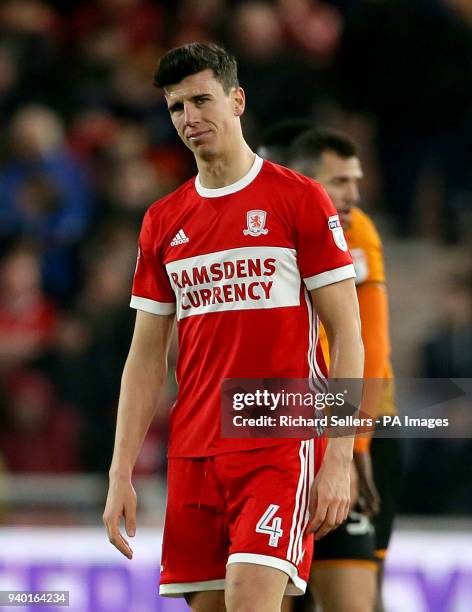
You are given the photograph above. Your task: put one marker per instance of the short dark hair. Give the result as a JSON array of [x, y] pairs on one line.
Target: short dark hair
[[310, 146], [189, 59], [276, 139]]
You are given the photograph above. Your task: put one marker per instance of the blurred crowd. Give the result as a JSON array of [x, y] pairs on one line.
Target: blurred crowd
[[86, 146]]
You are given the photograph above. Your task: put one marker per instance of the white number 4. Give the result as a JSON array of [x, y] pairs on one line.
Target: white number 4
[[272, 529]]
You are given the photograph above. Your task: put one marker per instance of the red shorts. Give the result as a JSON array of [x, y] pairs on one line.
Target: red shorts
[[243, 507]]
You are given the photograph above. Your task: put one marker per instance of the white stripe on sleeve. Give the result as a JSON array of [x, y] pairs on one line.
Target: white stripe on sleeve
[[157, 308], [329, 277]]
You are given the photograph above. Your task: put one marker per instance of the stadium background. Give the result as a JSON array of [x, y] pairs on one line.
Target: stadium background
[[86, 145]]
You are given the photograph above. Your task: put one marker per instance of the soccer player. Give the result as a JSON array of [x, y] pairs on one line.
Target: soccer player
[[244, 257], [343, 576]]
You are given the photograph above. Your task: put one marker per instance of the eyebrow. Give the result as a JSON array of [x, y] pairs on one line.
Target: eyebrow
[[345, 177], [173, 107], [178, 103]]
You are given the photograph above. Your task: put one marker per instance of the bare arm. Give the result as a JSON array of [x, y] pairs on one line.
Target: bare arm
[[338, 309], [373, 306], [143, 376]]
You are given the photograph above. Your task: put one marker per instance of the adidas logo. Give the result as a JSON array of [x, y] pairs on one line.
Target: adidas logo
[[179, 238]]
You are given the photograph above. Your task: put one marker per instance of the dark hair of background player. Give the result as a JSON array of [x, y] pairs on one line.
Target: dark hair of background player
[[276, 139], [309, 146], [195, 57]]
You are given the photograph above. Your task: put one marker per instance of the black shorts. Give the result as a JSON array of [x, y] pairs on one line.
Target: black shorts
[[387, 468], [354, 539], [359, 538]]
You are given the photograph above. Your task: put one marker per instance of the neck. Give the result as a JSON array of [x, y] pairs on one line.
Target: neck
[[225, 169]]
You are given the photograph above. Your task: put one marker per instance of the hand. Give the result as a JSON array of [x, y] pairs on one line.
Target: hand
[[369, 497], [121, 502], [329, 497]]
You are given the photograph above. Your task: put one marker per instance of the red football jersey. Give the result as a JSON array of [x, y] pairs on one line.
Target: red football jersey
[[236, 265]]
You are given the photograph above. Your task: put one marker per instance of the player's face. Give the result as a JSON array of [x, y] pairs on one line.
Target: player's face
[[340, 177], [205, 117]]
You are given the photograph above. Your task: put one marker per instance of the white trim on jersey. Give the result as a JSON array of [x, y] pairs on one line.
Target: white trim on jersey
[[177, 589], [329, 277], [317, 381], [234, 187], [157, 308], [316, 372], [311, 374], [297, 586]]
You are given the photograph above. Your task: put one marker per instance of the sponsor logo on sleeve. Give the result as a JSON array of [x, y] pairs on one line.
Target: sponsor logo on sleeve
[[337, 231]]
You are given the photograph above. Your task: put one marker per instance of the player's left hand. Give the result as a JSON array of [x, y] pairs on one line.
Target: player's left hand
[[329, 497], [121, 503]]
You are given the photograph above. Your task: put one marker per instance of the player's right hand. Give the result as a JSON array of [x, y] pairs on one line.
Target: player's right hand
[[329, 498], [121, 502]]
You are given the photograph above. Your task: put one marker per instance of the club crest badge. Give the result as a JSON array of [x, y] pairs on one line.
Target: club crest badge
[[255, 220], [338, 234]]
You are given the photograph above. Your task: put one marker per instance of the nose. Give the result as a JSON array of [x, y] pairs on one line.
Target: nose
[[190, 114], [353, 193]]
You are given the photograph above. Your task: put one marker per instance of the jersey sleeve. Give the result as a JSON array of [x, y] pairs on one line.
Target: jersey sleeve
[[323, 255], [367, 251], [151, 291], [375, 257]]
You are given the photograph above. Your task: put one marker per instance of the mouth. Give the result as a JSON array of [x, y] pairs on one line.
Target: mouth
[[344, 217], [345, 220], [196, 135]]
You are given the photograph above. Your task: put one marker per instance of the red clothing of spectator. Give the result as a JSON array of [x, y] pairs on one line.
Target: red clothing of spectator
[[141, 22], [26, 331], [27, 317], [40, 435]]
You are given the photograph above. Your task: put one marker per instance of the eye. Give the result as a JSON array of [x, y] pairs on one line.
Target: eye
[[176, 108]]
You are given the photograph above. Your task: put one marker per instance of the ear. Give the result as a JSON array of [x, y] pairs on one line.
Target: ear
[[238, 101]]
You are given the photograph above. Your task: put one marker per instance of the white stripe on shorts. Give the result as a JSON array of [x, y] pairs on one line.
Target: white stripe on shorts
[[297, 514], [311, 477], [303, 506]]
